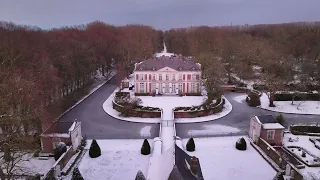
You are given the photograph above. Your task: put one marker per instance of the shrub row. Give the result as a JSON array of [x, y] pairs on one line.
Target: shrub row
[[207, 105], [298, 97], [142, 94], [305, 130], [122, 94], [193, 94], [148, 108]]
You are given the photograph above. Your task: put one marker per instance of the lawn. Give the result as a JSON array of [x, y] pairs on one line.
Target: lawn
[[219, 159]]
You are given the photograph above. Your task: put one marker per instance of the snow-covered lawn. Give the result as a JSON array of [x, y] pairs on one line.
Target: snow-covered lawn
[[107, 107], [303, 141], [167, 103], [213, 129], [306, 107], [120, 159], [226, 110], [219, 159]]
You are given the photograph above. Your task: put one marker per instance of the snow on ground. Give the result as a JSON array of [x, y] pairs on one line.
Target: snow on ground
[[167, 134], [307, 107], [241, 98], [120, 159], [219, 159], [303, 141], [107, 107], [213, 129], [145, 131], [33, 165], [226, 110]]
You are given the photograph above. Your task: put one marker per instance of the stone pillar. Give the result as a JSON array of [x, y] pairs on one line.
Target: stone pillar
[[194, 165]]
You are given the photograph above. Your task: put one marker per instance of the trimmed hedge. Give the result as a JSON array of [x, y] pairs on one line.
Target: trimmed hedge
[[145, 149], [122, 94], [190, 145], [298, 96], [94, 150], [241, 144], [193, 94], [305, 130], [141, 94]]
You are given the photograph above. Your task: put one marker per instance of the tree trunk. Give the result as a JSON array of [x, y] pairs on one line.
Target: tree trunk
[[271, 99], [2, 176]]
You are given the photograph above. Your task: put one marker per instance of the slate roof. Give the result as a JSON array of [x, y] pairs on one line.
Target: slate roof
[[177, 63], [266, 119], [180, 170]]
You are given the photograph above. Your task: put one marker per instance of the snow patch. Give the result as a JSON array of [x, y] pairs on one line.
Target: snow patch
[[306, 107], [214, 129], [145, 131], [241, 98]]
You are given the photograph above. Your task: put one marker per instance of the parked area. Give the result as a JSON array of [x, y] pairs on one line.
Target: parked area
[[219, 159]]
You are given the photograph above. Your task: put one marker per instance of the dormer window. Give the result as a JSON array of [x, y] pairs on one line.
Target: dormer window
[[153, 68], [192, 69], [141, 69], [180, 68]]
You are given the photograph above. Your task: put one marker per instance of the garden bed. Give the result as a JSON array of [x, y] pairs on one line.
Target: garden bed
[[205, 109], [309, 159]]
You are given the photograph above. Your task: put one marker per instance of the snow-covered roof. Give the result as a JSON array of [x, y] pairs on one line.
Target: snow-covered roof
[[272, 126]]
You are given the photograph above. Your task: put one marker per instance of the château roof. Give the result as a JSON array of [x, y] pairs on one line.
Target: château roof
[[176, 63]]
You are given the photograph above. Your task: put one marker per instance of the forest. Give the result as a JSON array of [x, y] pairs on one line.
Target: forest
[[40, 68]]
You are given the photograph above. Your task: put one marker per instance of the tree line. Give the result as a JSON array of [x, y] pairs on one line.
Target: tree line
[[286, 53], [39, 68]]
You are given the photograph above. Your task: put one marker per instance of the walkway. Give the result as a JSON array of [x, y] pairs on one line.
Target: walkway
[[98, 124]]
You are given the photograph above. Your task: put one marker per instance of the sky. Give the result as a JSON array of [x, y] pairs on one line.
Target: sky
[[161, 14]]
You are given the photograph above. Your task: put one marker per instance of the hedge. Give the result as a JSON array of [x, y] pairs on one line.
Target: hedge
[[141, 94], [193, 94], [298, 96], [310, 130], [122, 94]]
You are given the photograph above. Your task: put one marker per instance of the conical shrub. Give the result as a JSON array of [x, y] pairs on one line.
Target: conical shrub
[[76, 175], [94, 150], [190, 145], [241, 144], [140, 176], [280, 119], [145, 149]]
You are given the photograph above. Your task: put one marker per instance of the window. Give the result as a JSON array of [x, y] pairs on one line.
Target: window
[[160, 87], [270, 134], [141, 87], [167, 77], [160, 77], [193, 88], [193, 77], [141, 77], [173, 87], [153, 77], [180, 76], [180, 87], [173, 77], [153, 87], [167, 88]]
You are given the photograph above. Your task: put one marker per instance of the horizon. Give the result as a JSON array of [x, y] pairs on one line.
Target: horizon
[[162, 15]]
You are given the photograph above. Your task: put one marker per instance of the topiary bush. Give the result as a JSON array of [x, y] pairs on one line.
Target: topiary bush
[[253, 99], [76, 175], [61, 147], [190, 145], [94, 150], [140, 176], [145, 149], [241, 144]]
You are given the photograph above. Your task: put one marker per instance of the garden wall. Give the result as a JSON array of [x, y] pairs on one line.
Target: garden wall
[[199, 113], [137, 113], [275, 156]]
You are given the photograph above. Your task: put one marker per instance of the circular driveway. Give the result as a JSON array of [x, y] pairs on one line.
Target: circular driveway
[[96, 123]]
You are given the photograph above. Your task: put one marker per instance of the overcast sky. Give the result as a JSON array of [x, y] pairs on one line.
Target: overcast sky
[[161, 14]]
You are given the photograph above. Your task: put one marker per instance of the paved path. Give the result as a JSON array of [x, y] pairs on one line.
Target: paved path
[[238, 118], [96, 123]]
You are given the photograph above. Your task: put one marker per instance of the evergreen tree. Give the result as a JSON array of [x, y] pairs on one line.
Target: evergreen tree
[[76, 175], [145, 149], [241, 144], [140, 176], [94, 150], [190, 145], [280, 119], [61, 147]]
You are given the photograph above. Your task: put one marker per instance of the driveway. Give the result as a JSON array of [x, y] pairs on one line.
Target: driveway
[[96, 123], [238, 118]]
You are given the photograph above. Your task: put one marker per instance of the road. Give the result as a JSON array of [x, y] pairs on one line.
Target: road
[[238, 118], [96, 123]]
